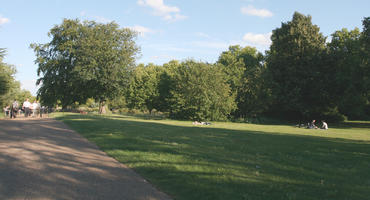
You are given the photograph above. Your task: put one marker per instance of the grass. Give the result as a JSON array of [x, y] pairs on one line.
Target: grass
[[234, 160]]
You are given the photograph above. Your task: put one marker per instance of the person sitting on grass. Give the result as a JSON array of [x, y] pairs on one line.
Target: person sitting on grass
[[324, 125], [312, 125]]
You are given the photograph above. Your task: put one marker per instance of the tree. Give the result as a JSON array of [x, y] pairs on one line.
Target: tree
[[85, 60], [365, 38], [165, 85], [245, 71], [198, 91], [56, 65], [298, 71], [143, 90], [10, 88], [6, 74], [105, 59], [7, 81], [345, 49]]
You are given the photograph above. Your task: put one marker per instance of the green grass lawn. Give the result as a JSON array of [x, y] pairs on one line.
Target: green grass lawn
[[234, 160]]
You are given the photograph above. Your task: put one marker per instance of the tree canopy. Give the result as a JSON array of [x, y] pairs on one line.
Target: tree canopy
[[199, 91], [295, 65], [10, 88], [83, 60], [300, 77], [6, 74]]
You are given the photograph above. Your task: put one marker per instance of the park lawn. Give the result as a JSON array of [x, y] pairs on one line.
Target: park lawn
[[236, 160]]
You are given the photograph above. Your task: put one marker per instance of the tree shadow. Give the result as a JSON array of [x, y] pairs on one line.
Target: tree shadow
[[41, 159], [353, 124], [215, 163]]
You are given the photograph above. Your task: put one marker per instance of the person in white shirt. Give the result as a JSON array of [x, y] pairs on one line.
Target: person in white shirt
[[26, 107], [34, 109], [324, 125]]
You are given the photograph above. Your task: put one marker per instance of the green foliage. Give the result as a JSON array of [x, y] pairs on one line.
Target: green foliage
[[143, 90], [106, 56], [9, 87], [56, 62], [365, 38], [349, 74], [301, 77], [7, 73], [198, 91], [117, 103], [84, 60], [296, 66], [246, 75]]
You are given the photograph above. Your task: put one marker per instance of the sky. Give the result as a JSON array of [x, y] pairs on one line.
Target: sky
[[168, 29]]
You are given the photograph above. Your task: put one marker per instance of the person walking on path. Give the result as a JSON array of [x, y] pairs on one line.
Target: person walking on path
[[39, 108], [26, 107], [14, 109], [6, 111], [34, 109]]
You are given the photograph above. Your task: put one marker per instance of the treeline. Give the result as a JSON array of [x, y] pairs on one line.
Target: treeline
[[301, 76], [10, 88]]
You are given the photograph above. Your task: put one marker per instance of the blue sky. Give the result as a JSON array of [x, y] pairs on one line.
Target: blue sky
[[169, 29]]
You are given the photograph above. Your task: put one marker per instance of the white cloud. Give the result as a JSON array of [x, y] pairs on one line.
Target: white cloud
[[162, 56], [3, 20], [142, 31], [168, 13], [250, 10], [211, 44], [257, 39], [203, 35], [101, 19], [83, 13]]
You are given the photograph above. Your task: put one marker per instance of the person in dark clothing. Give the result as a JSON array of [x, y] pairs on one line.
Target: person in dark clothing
[[14, 109]]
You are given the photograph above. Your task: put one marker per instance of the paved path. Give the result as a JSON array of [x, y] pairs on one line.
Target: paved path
[[44, 159]]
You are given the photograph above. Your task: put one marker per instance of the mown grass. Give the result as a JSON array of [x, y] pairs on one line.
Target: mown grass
[[234, 160]]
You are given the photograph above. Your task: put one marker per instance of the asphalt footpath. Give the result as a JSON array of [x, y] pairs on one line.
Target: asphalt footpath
[[43, 159]]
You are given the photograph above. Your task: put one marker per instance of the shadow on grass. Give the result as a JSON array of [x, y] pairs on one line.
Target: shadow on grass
[[353, 124], [214, 163]]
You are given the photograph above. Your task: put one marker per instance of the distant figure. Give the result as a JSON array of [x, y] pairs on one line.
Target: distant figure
[[14, 109], [324, 125], [39, 108], [6, 111], [26, 107], [312, 125], [34, 109]]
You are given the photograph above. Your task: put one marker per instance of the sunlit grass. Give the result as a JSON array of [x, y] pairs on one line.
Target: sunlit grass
[[235, 160]]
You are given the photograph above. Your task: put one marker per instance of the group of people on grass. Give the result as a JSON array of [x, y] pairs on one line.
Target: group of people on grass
[[312, 125], [29, 109]]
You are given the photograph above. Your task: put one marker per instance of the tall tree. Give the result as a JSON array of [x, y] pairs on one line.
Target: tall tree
[[106, 58], [56, 65], [365, 38], [143, 91], [85, 60], [345, 49], [198, 91], [10, 88], [245, 73], [297, 73], [7, 73]]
